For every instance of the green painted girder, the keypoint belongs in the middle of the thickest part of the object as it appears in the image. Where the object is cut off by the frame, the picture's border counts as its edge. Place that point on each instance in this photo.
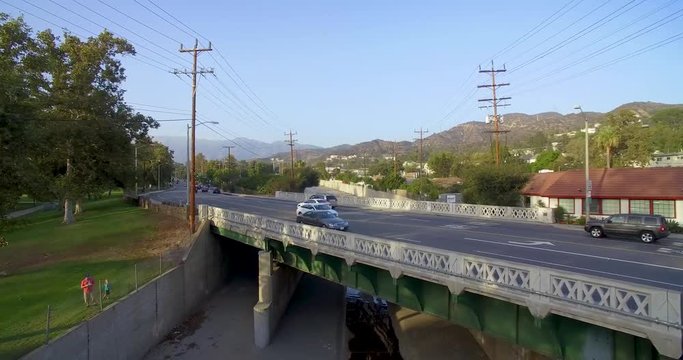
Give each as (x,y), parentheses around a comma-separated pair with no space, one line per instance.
(554,336)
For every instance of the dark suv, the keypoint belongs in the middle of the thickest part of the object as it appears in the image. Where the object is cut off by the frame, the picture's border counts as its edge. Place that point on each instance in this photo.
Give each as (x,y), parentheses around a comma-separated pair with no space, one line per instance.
(647,227)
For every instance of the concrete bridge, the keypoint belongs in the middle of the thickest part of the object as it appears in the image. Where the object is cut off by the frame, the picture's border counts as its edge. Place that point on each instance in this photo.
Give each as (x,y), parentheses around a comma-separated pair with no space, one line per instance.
(558,313)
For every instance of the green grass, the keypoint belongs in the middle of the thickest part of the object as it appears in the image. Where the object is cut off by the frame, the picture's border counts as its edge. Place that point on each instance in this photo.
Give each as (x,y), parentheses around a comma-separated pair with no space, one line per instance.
(45,261)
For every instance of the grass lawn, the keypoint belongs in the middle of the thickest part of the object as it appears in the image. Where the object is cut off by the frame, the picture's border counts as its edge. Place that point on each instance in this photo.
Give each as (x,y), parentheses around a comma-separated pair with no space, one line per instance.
(25,202)
(46,260)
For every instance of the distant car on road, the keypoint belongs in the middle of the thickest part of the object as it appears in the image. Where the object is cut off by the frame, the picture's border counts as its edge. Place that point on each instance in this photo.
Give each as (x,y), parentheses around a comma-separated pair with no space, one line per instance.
(205,188)
(648,228)
(323,219)
(303,208)
(326,197)
(216,190)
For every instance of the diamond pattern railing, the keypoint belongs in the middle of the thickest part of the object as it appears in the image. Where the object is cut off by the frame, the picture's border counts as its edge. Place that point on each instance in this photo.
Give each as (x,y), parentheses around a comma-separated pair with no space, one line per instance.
(632,306)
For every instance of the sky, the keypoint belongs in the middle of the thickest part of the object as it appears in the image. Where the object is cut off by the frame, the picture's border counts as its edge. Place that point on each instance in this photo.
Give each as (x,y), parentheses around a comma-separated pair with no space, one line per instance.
(343,72)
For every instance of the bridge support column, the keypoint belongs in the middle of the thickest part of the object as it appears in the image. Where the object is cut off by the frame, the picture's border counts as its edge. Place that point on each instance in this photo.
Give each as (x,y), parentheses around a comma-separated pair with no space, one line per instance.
(276,286)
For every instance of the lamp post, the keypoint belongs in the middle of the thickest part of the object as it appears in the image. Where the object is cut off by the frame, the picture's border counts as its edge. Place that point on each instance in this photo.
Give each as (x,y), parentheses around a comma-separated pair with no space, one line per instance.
(588,183)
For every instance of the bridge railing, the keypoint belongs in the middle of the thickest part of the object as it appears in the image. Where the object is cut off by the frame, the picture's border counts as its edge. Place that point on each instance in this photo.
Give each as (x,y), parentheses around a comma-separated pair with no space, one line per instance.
(650,312)
(543,215)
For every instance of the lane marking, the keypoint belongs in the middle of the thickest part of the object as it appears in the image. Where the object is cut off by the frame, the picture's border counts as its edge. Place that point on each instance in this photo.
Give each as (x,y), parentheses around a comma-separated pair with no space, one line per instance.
(677,244)
(670,251)
(406,239)
(532,243)
(458,226)
(580,254)
(581,268)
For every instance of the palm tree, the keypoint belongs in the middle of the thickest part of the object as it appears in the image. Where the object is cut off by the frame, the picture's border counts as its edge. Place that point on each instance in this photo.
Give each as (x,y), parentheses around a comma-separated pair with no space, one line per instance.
(608,139)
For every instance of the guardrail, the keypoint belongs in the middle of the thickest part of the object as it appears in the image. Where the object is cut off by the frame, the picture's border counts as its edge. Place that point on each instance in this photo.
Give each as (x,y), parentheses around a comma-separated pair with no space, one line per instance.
(644,311)
(542,215)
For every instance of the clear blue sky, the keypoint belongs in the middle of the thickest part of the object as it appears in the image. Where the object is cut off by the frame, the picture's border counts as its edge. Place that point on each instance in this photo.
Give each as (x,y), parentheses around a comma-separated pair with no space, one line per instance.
(351,71)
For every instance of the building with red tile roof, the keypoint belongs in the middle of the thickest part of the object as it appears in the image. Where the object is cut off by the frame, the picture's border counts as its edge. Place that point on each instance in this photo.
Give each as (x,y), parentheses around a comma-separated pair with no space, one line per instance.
(623,190)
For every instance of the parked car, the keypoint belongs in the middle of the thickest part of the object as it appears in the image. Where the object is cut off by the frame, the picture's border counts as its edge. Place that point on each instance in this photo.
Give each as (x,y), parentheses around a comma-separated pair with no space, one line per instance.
(327,197)
(647,227)
(303,208)
(324,219)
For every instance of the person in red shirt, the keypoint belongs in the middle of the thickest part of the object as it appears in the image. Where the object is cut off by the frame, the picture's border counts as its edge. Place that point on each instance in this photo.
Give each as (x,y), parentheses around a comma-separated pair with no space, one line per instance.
(86,285)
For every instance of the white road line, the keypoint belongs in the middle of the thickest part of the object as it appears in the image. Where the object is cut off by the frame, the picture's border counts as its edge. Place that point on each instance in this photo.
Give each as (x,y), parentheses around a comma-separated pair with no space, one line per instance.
(677,244)
(580,254)
(580,268)
(406,239)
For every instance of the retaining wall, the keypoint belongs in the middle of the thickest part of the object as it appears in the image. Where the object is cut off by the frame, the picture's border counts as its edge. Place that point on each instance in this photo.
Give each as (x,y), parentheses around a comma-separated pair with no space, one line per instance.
(128,328)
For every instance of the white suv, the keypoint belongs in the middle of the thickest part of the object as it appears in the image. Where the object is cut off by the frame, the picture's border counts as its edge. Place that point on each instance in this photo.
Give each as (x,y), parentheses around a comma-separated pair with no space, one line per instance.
(305,207)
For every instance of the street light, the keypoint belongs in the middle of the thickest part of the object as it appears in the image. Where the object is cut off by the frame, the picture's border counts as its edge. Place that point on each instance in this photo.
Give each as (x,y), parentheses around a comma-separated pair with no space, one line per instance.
(588,183)
(187,165)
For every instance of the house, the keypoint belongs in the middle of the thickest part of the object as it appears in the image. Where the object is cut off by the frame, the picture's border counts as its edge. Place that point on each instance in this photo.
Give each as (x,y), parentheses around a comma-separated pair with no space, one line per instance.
(624,190)
(660,159)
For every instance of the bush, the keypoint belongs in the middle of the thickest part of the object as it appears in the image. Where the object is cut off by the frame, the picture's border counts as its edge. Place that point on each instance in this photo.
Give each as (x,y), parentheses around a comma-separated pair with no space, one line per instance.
(674,226)
(559,214)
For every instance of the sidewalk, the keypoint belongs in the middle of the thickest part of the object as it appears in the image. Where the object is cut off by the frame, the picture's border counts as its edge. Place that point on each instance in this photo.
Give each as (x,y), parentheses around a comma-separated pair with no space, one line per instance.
(20,213)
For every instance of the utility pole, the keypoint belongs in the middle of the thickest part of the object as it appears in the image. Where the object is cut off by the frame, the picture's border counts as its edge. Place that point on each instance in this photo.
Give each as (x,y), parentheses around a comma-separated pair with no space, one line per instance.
(494,104)
(395,163)
(421,132)
(195,51)
(291,142)
(229,161)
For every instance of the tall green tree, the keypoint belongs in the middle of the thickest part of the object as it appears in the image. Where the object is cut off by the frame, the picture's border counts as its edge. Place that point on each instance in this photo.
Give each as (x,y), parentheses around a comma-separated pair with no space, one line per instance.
(441,163)
(495,185)
(608,138)
(667,130)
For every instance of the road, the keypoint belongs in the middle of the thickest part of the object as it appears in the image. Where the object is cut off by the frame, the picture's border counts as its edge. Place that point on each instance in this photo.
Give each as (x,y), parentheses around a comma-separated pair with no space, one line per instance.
(571,249)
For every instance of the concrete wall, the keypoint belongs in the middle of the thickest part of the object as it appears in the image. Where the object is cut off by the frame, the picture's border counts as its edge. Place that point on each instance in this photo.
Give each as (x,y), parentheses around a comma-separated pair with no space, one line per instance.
(277,284)
(128,328)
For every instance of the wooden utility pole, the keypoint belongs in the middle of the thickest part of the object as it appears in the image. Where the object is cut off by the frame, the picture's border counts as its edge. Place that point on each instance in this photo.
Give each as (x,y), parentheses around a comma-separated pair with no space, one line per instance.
(494,104)
(229,160)
(291,142)
(421,138)
(195,51)
(395,163)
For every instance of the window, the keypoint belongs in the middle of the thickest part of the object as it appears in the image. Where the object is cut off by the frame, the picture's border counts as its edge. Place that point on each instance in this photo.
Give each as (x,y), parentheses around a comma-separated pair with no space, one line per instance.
(610,206)
(636,220)
(567,204)
(595,206)
(639,207)
(664,208)
(649,220)
(618,219)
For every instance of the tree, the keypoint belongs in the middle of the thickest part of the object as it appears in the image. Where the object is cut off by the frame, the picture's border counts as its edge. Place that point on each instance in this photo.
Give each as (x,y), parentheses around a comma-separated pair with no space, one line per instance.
(545,160)
(441,163)
(423,188)
(607,138)
(635,146)
(494,185)
(667,130)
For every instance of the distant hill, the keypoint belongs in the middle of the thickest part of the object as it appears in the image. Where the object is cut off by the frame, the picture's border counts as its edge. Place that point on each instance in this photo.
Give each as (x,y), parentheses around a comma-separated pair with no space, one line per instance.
(470,135)
(475,134)
(244,149)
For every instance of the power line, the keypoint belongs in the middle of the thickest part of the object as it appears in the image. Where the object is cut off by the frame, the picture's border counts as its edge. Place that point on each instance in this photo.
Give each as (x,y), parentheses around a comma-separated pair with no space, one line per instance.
(123,27)
(586,30)
(138,21)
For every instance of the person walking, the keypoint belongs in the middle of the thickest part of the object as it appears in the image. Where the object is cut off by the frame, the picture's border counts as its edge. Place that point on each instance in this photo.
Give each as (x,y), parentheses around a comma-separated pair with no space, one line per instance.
(106,289)
(86,285)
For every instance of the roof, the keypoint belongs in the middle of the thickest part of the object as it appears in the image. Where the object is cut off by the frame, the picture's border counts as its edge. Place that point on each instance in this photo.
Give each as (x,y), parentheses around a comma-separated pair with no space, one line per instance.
(622,183)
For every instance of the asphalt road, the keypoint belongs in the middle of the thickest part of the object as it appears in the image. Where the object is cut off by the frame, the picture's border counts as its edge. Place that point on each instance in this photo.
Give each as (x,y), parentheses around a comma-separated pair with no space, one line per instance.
(565,248)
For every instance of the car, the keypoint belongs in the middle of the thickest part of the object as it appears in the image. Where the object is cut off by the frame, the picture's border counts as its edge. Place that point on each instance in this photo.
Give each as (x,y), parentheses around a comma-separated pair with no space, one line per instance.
(316,201)
(323,218)
(216,190)
(326,197)
(648,228)
(205,188)
(303,208)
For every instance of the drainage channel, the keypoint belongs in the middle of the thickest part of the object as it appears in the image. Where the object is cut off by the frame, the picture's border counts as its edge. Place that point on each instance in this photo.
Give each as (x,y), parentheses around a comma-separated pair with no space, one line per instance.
(371,332)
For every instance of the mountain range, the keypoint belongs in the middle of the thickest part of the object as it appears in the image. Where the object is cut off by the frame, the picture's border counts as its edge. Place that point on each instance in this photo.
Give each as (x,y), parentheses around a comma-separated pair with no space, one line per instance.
(516,128)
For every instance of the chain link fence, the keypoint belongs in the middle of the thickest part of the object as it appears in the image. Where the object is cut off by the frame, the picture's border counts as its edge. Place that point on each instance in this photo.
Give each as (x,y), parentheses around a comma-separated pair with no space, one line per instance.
(58,316)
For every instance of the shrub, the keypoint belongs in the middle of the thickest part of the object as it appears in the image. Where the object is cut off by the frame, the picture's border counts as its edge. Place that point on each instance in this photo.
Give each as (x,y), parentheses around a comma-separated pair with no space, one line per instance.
(674,226)
(559,214)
